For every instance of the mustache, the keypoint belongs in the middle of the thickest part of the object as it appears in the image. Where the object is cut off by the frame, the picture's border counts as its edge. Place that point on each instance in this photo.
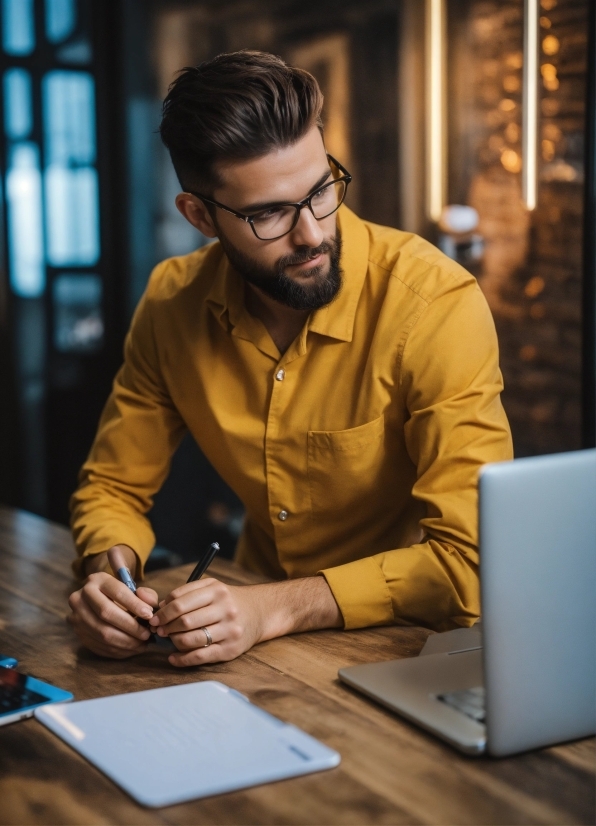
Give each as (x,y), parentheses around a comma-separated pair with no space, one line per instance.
(301,256)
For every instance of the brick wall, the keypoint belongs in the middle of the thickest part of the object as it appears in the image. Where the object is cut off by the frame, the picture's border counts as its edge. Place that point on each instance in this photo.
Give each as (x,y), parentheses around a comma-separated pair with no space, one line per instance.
(531,272)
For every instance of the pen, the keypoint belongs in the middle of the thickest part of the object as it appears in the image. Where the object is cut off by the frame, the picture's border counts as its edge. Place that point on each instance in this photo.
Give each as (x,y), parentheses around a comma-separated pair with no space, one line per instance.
(204,562)
(197,572)
(124,575)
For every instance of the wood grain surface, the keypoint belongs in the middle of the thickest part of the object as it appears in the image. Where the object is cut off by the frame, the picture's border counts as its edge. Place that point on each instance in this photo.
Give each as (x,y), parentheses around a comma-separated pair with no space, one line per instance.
(391,772)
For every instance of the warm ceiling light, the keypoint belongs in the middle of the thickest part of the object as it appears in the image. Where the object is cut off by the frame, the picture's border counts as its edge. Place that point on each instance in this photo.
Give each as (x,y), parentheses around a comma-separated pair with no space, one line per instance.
(530,103)
(550,45)
(511,160)
(435,107)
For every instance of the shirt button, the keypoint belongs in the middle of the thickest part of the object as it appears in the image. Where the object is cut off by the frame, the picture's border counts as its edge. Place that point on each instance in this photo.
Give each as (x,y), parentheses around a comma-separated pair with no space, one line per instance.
(282,516)
(280,375)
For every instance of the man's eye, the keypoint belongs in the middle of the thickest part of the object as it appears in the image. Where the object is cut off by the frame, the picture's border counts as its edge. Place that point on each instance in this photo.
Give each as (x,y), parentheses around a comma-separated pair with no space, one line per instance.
(267,214)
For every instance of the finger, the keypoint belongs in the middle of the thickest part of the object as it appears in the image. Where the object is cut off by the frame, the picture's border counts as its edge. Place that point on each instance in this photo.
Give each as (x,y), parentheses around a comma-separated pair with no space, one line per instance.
(148,595)
(197,585)
(94,627)
(209,615)
(201,656)
(97,646)
(88,629)
(189,600)
(197,638)
(91,626)
(111,614)
(118,592)
(107,612)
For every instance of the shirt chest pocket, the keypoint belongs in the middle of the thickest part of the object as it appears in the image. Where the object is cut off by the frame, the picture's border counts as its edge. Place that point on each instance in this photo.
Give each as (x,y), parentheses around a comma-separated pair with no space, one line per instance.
(346,467)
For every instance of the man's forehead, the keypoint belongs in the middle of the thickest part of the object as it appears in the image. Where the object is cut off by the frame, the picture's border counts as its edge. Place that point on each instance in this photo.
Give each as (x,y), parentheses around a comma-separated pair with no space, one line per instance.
(284,174)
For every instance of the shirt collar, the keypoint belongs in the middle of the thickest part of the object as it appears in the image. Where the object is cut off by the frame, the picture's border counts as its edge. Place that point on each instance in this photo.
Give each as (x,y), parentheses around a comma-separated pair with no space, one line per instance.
(226,294)
(336,320)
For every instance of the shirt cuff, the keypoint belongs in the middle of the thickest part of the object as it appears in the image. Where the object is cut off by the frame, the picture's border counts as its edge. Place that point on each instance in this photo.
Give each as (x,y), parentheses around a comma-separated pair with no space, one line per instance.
(361,592)
(139,539)
(78,563)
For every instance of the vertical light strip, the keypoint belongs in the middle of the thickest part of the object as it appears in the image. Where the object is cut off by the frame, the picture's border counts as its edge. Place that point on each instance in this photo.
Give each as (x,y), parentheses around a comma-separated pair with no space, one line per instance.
(530,105)
(435,108)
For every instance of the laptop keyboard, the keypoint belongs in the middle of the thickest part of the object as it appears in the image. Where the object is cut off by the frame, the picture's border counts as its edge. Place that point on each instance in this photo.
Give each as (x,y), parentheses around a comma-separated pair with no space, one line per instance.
(470,702)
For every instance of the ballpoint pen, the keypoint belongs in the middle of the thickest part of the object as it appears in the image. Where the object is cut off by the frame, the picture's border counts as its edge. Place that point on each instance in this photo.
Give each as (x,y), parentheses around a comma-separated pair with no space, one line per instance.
(124,574)
(204,562)
(118,565)
(197,572)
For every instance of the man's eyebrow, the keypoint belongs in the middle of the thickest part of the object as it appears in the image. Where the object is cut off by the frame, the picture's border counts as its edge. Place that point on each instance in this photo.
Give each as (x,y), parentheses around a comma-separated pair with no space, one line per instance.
(266,204)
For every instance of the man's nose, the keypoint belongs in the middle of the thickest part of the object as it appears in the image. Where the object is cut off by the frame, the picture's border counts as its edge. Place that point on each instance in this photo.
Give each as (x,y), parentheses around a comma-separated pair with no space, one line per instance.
(307,232)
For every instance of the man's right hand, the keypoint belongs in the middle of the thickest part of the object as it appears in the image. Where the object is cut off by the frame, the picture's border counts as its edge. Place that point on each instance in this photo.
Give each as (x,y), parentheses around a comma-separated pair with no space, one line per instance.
(104,611)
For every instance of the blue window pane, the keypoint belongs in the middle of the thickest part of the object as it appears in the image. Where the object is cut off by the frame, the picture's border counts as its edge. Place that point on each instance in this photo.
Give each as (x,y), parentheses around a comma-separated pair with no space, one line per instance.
(72,217)
(69,117)
(25,227)
(18,110)
(60,19)
(78,323)
(18,27)
(71,189)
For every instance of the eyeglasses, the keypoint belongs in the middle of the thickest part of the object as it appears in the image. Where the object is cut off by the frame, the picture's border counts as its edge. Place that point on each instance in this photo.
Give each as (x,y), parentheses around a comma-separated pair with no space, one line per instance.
(280,219)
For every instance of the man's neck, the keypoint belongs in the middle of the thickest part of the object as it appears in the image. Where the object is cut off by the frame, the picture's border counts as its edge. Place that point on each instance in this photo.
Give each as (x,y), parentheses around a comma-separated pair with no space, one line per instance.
(282,323)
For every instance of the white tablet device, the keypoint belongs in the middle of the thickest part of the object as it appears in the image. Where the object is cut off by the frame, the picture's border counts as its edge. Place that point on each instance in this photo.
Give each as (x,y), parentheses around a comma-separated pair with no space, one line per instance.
(167,745)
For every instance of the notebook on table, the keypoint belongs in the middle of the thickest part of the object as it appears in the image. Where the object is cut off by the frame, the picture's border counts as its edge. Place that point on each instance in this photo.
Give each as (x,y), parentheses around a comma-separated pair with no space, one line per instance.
(170,745)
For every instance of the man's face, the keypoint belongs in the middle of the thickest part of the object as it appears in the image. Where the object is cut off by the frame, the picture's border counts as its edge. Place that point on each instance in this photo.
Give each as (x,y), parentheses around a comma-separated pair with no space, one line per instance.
(300,269)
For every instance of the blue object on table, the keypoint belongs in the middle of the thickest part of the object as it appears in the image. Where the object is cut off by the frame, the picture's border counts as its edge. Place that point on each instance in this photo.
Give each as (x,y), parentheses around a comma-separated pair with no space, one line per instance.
(21,694)
(8,662)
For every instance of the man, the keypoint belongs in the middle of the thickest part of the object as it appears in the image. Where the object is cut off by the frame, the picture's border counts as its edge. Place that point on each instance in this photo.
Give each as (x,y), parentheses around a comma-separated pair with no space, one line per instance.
(342,378)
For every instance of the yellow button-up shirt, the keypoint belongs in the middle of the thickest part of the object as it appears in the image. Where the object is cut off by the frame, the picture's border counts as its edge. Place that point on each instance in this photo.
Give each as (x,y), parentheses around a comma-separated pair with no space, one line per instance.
(356,452)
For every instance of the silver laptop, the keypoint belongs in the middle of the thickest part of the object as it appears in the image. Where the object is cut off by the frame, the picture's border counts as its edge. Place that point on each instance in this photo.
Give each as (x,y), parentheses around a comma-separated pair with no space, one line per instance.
(528,678)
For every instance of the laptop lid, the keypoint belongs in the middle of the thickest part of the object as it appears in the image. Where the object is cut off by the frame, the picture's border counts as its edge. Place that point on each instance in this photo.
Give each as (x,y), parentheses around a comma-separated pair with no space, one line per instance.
(538,585)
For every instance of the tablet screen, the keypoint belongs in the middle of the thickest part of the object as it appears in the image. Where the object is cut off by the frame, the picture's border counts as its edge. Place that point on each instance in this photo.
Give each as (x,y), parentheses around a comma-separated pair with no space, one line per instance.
(20,694)
(15,693)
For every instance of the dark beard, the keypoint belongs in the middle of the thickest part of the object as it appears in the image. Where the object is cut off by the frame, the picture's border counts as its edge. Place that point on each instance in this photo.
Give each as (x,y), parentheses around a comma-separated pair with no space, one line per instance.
(321,288)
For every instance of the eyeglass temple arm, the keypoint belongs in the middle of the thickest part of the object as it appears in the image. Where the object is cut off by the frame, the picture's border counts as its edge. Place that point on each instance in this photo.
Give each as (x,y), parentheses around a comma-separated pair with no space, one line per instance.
(221,206)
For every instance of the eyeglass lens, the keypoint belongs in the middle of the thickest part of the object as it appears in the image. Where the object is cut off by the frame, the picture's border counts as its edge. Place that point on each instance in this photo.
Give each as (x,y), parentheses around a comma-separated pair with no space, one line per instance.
(277,221)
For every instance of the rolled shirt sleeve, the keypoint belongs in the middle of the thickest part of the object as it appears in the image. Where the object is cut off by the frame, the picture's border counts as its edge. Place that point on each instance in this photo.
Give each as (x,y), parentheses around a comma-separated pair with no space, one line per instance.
(450,383)
(138,432)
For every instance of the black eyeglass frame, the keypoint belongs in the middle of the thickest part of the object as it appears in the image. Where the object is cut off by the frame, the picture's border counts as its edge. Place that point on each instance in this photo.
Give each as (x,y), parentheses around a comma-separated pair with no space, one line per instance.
(249,219)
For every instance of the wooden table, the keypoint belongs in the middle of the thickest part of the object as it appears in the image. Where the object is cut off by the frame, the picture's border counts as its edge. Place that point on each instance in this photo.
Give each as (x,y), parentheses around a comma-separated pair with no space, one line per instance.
(391,772)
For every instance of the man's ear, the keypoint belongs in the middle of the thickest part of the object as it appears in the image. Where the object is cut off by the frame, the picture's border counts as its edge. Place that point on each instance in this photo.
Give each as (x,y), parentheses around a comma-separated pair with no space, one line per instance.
(196,213)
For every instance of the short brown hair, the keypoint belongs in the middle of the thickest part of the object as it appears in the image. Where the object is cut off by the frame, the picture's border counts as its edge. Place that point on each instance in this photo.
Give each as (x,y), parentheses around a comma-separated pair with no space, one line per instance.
(238,106)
